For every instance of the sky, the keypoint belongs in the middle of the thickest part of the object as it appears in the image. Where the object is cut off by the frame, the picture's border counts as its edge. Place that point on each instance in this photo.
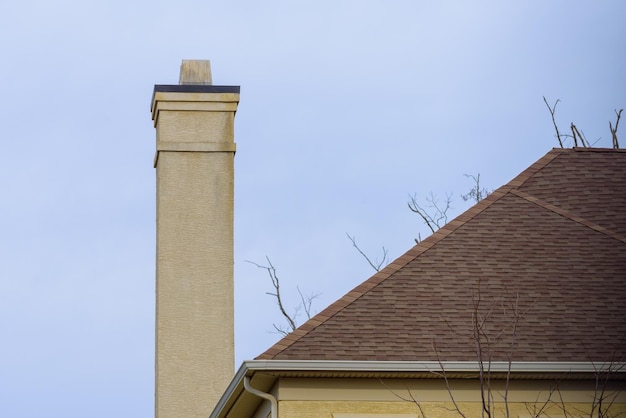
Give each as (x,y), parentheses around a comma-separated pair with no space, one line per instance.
(347,109)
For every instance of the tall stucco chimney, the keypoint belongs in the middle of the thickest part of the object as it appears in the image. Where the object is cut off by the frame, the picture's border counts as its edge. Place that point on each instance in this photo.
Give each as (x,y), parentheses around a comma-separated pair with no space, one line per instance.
(194,163)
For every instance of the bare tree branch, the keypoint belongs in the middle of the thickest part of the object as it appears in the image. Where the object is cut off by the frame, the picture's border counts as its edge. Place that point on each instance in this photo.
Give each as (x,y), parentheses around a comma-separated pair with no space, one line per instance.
(576,133)
(435,214)
(377,265)
(478,324)
(410,397)
(445,378)
(602,401)
(538,409)
(505,309)
(614,131)
(435,218)
(552,110)
(476,193)
(271,271)
(305,301)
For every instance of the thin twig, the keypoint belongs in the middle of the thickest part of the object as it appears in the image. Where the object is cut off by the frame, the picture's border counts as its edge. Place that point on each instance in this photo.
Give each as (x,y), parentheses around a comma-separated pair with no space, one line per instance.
(552,111)
(475,194)
(614,131)
(271,270)
(375,265)
(436,218)
(445,378)
(307,301)
(575,134)
(410,398)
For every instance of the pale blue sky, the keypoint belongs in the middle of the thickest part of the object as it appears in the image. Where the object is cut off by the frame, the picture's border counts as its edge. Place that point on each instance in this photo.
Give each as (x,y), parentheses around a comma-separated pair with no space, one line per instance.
(347,107)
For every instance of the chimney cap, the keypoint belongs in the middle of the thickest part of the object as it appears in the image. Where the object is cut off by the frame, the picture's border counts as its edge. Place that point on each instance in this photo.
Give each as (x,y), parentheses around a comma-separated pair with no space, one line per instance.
(195,72)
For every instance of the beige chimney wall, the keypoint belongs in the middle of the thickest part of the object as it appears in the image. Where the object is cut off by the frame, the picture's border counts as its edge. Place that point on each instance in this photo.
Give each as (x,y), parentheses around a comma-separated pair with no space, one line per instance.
(194,124)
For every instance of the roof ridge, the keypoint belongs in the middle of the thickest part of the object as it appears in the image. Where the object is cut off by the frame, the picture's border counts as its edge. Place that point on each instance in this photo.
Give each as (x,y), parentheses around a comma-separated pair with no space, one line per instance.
(595,149)
(569,215)
(519,180)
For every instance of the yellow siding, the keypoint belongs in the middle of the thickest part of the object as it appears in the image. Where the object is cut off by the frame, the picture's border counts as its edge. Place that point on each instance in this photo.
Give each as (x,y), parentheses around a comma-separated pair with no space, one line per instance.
(347,398)
(321,409)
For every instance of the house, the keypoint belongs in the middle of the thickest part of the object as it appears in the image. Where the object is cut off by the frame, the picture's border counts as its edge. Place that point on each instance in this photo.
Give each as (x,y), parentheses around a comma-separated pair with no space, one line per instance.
(515,308)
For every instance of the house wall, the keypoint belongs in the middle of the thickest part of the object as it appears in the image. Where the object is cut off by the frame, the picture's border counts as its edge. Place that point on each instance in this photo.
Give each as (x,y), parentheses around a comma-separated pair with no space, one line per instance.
(351,398)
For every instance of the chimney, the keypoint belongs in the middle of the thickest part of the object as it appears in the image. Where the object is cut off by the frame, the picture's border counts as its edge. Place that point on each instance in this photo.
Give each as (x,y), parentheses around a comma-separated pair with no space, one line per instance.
(195,150)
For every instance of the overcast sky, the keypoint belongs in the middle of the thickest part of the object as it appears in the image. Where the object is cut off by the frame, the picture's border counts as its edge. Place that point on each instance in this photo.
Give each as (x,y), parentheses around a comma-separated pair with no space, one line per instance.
(347,108)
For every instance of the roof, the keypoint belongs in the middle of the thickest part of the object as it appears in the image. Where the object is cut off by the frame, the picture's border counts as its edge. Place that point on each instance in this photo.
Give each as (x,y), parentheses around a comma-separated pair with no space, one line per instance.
(537,269)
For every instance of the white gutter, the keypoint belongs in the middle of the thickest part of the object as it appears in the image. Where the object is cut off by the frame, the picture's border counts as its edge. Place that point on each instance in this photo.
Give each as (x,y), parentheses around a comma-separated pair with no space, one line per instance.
(249,367)
(272,399)
(429,366)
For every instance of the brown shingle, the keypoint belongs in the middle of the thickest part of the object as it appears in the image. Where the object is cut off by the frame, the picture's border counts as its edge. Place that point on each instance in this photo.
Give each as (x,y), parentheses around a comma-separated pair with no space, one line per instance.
(548,248)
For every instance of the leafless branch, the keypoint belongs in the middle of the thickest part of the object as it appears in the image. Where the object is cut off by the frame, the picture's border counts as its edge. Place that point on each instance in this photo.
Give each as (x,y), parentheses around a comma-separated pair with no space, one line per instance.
(552,110)
(538,409)
(376,265)
(486,339)
(271,271)
(410,397)
(576,134)
(562,403)
(476,193)
(437,216)
(415,207)
(479,334)
(614,131)
(445,379)
(602,401)
(305,301)
(516,318)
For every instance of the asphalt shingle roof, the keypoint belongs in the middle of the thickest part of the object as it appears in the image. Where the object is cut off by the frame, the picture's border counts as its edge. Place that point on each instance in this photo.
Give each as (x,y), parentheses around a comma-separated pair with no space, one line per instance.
(540,264)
